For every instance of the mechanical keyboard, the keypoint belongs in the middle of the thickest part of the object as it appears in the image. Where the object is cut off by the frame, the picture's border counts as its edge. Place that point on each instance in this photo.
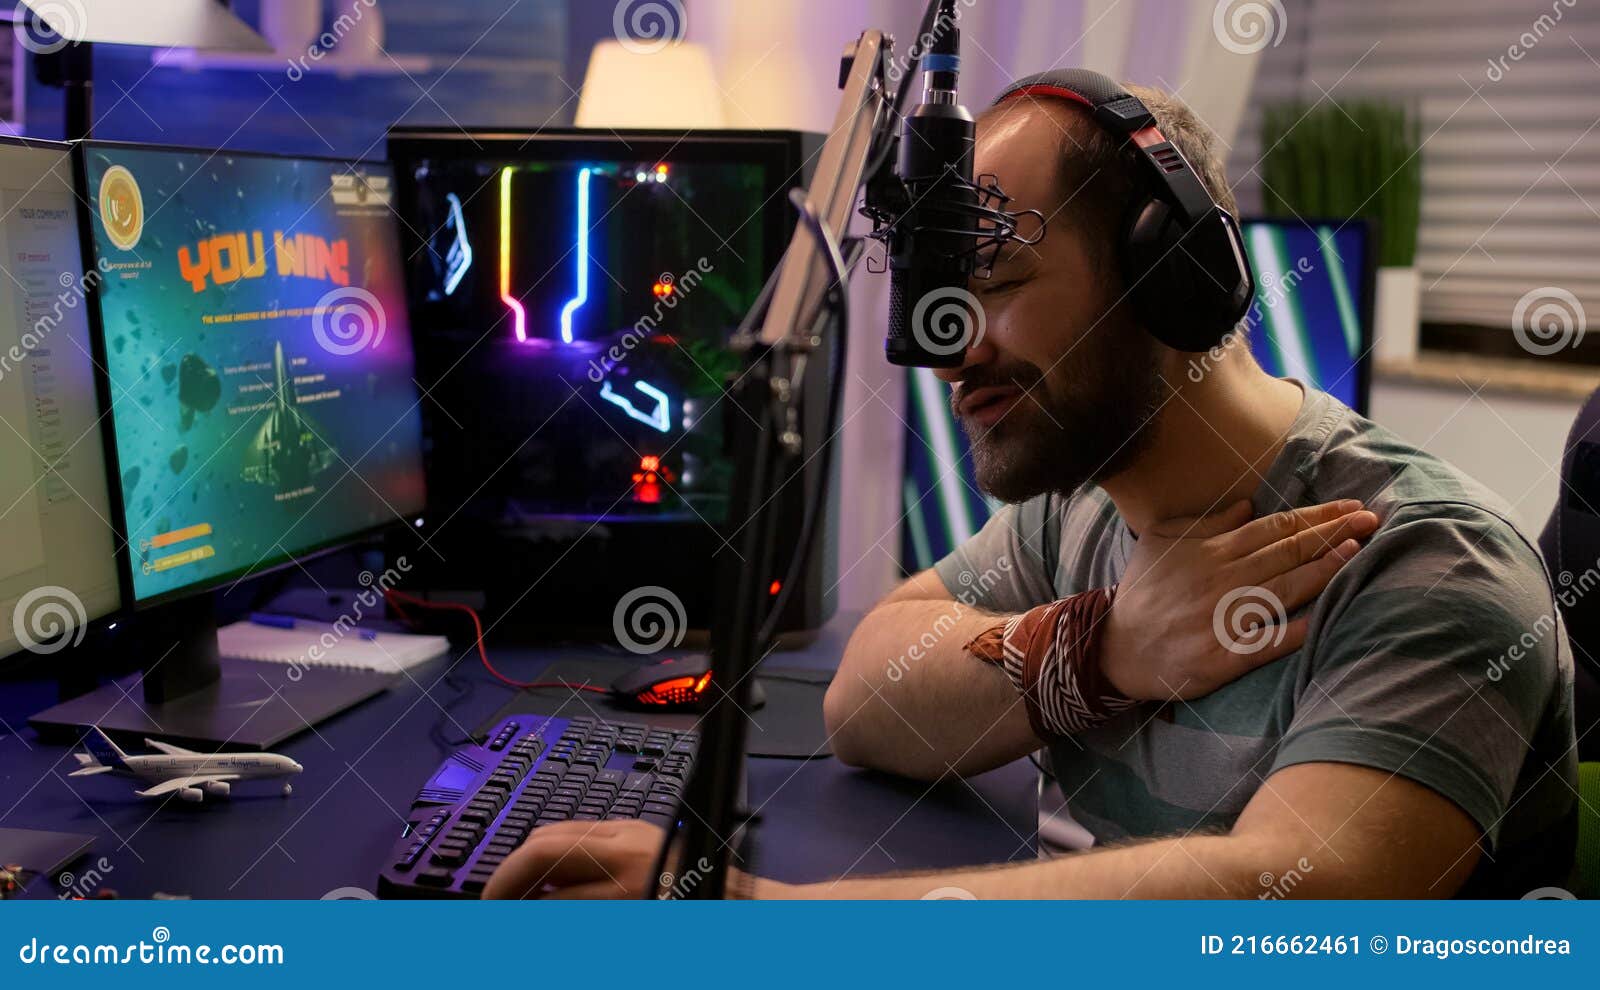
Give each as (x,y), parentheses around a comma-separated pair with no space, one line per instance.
(532,770)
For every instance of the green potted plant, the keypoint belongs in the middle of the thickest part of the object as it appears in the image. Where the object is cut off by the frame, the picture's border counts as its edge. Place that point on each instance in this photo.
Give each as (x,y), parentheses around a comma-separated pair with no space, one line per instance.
(1355,158)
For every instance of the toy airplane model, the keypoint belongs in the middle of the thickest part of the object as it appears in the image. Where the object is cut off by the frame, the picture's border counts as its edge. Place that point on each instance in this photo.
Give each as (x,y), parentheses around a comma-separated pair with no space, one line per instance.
(191,775)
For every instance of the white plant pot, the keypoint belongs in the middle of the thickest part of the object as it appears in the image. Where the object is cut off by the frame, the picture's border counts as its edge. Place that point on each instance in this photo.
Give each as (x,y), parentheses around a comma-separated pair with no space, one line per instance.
(291,25)
(1396,314)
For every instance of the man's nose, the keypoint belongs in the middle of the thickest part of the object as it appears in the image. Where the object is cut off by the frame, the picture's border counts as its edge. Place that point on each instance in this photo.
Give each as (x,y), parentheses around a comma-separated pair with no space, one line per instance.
(978,351)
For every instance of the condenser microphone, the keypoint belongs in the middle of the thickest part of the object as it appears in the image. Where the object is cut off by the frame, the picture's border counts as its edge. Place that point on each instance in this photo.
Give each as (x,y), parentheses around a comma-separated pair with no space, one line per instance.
(933,244)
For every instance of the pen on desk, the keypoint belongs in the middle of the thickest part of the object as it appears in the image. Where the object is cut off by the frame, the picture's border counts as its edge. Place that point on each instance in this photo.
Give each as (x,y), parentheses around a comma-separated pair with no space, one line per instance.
(290,622)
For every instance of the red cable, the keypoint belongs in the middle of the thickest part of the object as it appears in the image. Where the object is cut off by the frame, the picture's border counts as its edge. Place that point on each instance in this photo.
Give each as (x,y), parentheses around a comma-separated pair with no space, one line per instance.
(393,599)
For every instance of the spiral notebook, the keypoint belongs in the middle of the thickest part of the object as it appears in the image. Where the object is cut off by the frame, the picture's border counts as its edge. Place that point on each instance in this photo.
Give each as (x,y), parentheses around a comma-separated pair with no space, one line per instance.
(388,653)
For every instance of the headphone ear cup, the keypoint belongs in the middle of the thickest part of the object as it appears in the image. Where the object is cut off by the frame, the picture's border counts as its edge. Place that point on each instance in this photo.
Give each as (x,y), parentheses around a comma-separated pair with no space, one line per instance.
(1177,299)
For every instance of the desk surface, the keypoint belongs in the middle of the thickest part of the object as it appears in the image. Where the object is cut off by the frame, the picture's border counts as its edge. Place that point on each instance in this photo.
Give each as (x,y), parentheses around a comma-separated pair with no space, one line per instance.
(820,818)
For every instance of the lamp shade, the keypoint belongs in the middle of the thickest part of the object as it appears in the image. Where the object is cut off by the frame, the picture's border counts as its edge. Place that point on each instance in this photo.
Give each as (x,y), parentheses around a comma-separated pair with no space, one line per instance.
(674,86)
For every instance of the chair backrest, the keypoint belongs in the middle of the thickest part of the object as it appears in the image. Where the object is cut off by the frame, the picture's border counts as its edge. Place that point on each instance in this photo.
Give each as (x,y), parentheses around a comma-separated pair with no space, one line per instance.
(1571,545)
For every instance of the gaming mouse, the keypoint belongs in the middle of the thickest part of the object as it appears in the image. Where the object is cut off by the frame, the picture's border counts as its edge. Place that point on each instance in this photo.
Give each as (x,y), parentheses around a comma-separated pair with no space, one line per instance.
(679,683)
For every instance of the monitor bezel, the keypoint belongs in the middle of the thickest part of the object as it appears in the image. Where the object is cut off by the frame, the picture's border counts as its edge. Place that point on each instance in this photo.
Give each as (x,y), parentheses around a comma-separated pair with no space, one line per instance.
(131,601)
(1369,280)
(21,657)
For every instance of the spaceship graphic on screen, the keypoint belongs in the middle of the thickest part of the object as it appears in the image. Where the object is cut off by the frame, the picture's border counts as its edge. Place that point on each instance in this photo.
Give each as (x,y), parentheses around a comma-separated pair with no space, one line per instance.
(288,451)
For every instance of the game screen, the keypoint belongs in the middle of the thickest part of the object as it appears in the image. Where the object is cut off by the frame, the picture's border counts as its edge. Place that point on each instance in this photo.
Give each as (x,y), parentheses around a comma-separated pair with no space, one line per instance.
(259,354)
(1307,318)
(574,318)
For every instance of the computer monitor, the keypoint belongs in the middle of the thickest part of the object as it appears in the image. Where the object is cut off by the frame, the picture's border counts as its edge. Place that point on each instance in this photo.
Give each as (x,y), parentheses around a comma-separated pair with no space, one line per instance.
(574,293)
(259,357)
(259,374)
(58,571)
(1312,316)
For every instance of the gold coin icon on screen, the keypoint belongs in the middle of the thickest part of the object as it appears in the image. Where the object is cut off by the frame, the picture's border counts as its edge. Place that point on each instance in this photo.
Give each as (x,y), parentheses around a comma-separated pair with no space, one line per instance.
(121,207)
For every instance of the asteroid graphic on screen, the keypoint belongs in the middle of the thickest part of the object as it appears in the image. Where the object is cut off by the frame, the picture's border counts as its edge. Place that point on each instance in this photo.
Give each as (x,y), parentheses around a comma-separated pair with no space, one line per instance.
(199,388)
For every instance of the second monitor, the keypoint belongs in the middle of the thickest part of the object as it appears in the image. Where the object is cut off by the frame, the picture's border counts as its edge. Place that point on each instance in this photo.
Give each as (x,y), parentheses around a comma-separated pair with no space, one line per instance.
(57,542)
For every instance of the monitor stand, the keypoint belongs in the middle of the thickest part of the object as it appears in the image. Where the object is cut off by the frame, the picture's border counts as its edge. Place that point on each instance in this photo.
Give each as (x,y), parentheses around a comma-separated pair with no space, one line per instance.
(187,695)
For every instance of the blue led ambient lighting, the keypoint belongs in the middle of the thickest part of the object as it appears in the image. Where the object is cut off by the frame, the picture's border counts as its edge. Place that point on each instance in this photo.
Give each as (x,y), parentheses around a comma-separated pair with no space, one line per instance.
(459,257)
(658,419)
(583,257)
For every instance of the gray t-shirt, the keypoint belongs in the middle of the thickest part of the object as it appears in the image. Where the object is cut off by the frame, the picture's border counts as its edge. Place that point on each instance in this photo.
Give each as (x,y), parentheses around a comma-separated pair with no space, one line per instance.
(1437,654)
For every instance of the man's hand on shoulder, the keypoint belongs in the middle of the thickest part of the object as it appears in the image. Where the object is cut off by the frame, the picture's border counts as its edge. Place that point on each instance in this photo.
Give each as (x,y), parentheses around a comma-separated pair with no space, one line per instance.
(910,699)
(1201,601)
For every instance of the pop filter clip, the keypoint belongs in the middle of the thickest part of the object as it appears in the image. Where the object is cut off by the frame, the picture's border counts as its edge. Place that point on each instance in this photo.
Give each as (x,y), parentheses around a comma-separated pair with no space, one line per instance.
(889,199)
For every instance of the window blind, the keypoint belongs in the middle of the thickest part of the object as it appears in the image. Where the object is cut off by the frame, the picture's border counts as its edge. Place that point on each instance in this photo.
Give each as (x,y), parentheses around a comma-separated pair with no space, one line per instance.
(1508,93)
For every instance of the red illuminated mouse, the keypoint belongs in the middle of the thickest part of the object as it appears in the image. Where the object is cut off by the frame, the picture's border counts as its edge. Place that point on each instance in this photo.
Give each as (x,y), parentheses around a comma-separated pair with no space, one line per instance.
(680,683)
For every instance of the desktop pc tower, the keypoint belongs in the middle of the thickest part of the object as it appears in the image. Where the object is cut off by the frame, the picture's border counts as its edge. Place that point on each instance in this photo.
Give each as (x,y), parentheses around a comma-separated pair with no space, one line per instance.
(573,293)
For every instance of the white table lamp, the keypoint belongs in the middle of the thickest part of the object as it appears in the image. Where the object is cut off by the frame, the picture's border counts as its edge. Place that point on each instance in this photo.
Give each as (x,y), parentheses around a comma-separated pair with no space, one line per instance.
(674,86)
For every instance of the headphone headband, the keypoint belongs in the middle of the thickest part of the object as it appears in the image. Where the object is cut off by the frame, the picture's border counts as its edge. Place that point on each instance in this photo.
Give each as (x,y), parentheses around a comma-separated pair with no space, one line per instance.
(1182,256)
(1124,116)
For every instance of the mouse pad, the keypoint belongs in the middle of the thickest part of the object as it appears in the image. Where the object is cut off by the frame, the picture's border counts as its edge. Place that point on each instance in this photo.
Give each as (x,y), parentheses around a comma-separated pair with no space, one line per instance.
(788,726)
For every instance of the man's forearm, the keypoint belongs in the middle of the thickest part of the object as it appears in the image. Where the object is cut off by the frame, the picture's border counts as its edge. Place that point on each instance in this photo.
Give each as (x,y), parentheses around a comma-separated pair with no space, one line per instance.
(1319,830)
(908,699)
(1146,870)
(1195,866)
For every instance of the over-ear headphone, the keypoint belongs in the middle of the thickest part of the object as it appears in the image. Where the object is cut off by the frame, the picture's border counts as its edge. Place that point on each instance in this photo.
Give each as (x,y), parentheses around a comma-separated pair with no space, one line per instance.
(1181,256)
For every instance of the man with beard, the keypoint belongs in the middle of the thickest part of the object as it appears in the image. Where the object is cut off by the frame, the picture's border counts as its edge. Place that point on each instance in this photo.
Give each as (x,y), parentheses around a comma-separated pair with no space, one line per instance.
(1354,723)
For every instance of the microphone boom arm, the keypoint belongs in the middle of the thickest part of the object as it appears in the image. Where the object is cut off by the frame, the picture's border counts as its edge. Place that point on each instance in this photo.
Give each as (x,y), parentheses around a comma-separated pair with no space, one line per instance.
(766,443)
(865,116)
(805,298)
